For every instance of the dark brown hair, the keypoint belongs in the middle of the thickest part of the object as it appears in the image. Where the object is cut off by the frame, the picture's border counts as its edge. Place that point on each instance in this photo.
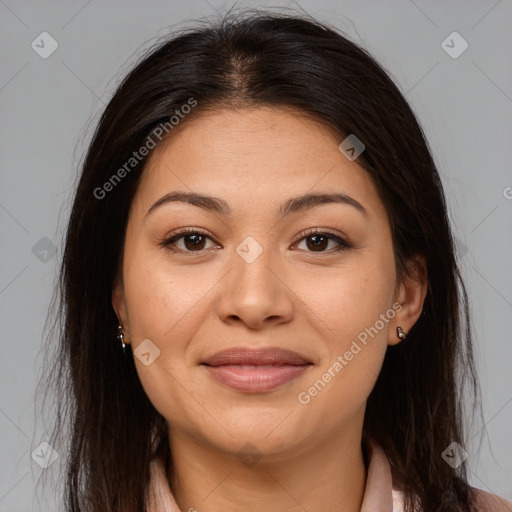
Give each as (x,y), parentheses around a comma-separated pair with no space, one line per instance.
(250,60)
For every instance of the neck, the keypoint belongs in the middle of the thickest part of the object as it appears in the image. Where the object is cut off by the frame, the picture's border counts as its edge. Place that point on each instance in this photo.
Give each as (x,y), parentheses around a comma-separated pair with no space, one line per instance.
(326,475)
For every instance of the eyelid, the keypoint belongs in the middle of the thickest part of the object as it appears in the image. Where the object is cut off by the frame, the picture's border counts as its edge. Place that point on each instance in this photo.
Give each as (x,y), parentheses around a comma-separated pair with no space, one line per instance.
(167,241)
(335,235)
(340,239)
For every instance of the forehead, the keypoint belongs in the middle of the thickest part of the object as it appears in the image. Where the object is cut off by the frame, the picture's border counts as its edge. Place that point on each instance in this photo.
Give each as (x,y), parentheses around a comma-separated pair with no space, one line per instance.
(255,158)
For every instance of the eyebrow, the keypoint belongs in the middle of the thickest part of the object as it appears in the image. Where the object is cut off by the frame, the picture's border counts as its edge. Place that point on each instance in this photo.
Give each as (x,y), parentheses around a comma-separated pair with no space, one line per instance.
(292,205)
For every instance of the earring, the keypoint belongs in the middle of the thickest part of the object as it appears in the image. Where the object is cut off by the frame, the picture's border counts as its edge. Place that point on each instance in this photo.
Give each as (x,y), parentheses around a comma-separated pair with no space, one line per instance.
(120,337)
(401,333)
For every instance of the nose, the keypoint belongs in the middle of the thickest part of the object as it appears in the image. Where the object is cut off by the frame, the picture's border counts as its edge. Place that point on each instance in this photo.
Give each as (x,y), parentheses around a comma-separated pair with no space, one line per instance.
(256,293)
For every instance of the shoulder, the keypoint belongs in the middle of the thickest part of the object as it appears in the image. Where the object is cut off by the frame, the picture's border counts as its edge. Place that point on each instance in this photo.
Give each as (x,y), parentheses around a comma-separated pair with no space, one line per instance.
(484,501)
(487,502)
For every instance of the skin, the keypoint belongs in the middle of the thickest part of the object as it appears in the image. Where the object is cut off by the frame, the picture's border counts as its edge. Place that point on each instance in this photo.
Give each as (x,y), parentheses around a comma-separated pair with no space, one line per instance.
(294,295)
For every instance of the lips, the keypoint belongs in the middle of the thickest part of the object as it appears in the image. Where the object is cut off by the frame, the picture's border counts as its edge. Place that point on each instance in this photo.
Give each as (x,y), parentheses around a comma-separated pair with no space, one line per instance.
(256,370)
(257,357)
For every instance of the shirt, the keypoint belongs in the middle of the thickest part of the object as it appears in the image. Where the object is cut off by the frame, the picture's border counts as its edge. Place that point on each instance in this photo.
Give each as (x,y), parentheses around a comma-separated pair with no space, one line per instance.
(379,495)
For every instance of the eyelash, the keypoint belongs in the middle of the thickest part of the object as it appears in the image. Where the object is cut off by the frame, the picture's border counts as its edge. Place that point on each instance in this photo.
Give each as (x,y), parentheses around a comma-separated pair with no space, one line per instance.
(343,244)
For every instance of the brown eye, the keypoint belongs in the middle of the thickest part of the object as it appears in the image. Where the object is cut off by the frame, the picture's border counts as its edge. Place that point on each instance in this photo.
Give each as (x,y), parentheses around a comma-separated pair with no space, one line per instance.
(192,241)
(195,241)
(319,241)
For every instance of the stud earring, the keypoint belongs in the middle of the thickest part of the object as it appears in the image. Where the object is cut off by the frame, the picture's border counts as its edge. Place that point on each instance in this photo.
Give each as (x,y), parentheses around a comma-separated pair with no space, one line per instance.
(401,333)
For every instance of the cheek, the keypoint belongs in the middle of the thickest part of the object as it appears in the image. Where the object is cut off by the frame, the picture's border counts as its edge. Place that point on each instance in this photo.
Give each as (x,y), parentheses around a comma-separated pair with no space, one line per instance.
(337,392)
(167,306)
(164,301)
(347,300)
(352,313)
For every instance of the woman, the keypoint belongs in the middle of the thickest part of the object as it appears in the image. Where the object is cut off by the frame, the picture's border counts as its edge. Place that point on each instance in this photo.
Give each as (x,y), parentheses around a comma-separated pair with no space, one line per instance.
(262,308)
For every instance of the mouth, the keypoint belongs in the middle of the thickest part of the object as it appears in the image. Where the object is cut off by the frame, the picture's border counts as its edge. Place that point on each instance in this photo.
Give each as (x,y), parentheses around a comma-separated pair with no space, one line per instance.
(255,371)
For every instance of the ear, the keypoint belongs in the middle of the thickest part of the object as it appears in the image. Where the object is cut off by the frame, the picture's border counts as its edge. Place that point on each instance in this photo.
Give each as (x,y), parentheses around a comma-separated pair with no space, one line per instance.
(119,305)
(410,294)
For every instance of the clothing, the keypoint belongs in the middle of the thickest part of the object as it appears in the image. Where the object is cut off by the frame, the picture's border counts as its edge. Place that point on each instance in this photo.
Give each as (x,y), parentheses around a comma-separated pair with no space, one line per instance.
(379,496)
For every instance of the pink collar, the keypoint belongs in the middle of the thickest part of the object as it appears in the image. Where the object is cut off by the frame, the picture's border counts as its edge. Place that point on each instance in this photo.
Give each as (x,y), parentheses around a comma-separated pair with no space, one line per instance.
(379,495)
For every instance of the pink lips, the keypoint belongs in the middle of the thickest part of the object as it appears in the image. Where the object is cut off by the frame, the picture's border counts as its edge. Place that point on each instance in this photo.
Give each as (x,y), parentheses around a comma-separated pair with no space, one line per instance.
(256,370)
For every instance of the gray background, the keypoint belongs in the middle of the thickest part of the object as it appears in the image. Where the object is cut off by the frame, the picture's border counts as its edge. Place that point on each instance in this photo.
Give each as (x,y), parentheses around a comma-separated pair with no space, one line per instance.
(49,107)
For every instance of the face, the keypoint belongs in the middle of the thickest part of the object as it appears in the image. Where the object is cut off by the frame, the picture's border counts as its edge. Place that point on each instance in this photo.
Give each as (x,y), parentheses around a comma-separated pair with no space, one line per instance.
(259,268)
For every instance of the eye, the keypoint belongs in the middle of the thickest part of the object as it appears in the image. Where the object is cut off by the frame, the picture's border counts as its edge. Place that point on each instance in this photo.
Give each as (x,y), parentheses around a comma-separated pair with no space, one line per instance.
(193,241)
(318,241)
